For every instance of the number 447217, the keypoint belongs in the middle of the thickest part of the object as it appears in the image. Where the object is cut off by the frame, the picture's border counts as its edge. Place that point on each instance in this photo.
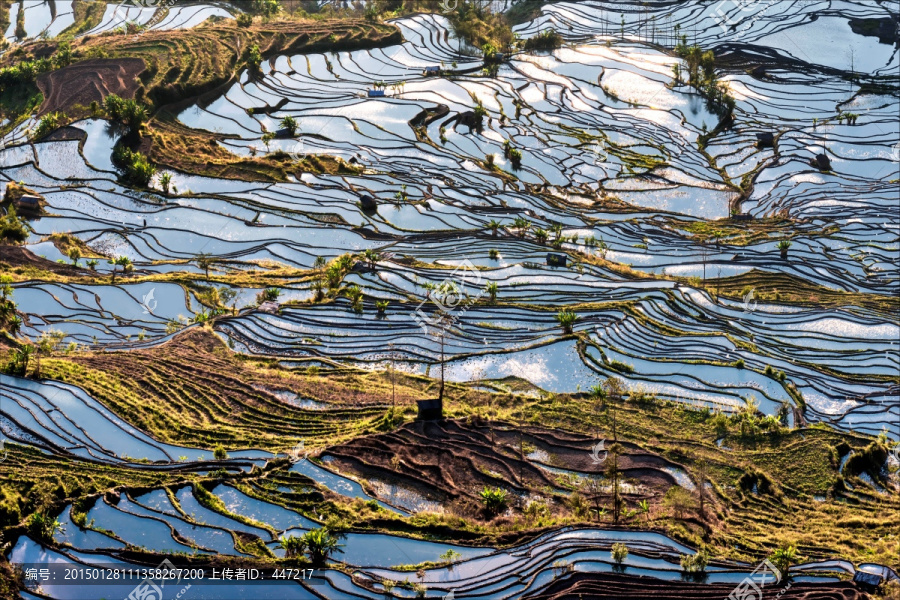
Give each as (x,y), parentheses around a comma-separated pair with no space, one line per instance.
(294,574)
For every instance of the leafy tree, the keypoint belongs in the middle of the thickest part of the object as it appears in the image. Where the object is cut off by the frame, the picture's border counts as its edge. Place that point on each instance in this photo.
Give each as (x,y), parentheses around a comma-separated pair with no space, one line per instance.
(613,473)
(619,552)
(289,123)
(92,264)
(566,319)
(205,261)
(74,254)
(254,59)
(219,452)
(266,8)
(12,228)
(783,557)
(6,288)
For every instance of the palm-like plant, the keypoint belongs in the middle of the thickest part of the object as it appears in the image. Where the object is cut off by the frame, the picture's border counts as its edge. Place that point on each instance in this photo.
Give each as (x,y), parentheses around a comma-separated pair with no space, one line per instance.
(42,527)
(22,356)
(783,557)
(293,546)
(566,318)
(645,508)
(494,226)
(320,545)
(541,235)
(289,123)
(381,306)
(371,257)
(120,261)
(492,288)
(494,500)
(521,224)
(783,246)
(165,180)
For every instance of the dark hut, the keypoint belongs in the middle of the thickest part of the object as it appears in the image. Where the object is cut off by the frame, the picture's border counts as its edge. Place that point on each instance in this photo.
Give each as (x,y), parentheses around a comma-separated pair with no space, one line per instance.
(367,202)
(765,140)
(821,162)
(557,260)
(430,410)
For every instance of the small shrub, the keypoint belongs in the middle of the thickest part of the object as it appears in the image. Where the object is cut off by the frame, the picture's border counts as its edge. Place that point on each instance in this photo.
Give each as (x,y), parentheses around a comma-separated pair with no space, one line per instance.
(619,552)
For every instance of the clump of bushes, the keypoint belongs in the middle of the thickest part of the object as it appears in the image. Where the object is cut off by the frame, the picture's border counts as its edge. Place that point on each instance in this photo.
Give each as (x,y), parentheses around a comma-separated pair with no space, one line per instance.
(549,39)
(130,113)
(47,124)
(137,170)
(12,228)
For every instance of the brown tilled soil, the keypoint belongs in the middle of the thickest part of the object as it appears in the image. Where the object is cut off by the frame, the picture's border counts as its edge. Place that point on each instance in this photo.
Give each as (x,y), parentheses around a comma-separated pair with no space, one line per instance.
(87,81)
(194,389)
(12,257)
(452,461)
(605,586)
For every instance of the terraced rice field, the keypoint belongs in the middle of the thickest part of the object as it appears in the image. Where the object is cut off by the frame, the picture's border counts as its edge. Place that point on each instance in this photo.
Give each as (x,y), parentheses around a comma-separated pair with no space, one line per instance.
(654,317)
